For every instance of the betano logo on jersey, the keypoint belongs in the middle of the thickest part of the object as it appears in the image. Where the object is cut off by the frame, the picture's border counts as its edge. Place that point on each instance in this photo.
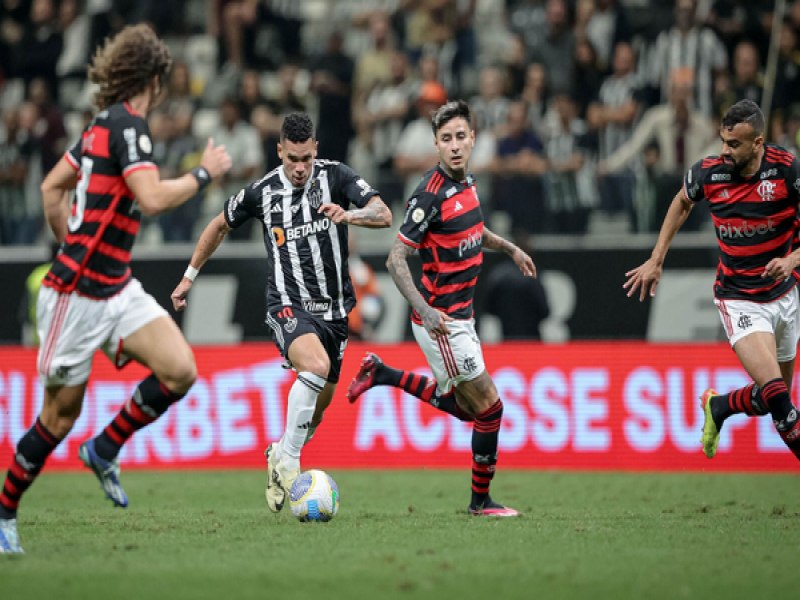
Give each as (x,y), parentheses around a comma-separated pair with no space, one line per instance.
(745,229)
(282,235)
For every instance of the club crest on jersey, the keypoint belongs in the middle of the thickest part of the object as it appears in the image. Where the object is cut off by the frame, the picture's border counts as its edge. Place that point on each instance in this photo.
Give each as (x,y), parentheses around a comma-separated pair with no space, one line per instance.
(315,195)
(766,189)
(290,325)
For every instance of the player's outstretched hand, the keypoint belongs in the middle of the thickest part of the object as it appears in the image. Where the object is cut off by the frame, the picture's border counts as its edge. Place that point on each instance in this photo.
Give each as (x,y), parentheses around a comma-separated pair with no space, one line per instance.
(215,159)
(178,296)
(643,278)
(524,262)
(335,213)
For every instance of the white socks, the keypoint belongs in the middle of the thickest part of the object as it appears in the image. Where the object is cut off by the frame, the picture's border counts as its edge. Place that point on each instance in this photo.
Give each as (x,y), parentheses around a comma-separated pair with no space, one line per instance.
(299,412)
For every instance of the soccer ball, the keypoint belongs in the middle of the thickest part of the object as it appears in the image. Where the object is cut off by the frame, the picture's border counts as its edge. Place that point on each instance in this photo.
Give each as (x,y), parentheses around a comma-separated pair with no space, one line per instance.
(314,496)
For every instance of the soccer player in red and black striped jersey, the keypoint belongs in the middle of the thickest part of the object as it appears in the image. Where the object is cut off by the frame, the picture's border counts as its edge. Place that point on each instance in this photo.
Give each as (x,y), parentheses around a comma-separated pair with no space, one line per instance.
(753,190)
(89,299)
(444,223)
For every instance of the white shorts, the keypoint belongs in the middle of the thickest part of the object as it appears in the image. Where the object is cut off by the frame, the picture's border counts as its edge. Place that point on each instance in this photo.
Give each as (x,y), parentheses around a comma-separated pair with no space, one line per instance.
(740,318)
(455,358)
(72,327)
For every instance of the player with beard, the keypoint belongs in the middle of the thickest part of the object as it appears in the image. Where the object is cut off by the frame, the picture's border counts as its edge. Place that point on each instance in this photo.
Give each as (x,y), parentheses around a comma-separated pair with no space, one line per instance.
(753,191)
(444,222)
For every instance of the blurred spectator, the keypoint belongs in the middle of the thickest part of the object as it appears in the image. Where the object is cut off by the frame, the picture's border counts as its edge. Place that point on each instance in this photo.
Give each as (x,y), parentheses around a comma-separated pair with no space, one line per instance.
(515,62)
(20,175)
(415,152)
(687,46)
(180,95)
(535,95)
(466,55)
(431,29)
(373,66)
(75,28)
(613,116)
(517,173)
(381,117)
(556,49)
(243,144)
(13,16)
(565,149)
(682,135)
(787,84)
(527,18)
(519,302)
(41,44)
(729,19)
(588,73)
(49,129)
(332,80)
(607,26)
(287,98)
(239,25)
(176,151)
(490,107)
(747,80)
(365,317)
(250,95)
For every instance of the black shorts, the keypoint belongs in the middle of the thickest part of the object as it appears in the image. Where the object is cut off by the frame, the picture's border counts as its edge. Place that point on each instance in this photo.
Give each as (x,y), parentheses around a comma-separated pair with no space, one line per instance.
(289,323)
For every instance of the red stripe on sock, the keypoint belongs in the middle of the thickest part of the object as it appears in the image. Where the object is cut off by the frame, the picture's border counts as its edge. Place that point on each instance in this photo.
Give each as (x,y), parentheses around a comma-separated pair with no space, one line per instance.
(427,392)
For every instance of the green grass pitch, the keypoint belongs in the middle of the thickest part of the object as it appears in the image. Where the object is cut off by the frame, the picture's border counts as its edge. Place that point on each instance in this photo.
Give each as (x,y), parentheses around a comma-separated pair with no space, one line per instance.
(405,534)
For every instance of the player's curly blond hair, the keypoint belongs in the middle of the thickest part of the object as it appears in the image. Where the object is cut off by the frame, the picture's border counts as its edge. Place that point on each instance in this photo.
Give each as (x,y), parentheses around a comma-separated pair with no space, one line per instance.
(125,65)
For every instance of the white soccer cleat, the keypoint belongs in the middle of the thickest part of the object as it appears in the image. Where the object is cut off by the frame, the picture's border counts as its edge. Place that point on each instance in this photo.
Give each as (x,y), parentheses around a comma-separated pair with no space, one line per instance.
(274,493)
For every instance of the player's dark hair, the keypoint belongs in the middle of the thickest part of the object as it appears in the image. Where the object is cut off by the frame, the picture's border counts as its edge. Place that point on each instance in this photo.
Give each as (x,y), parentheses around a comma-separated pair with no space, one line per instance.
(297,127)
(125,64)
(745,111)
(449,111)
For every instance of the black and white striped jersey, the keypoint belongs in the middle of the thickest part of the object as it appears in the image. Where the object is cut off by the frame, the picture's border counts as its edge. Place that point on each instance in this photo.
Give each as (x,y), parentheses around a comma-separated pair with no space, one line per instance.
(306,253)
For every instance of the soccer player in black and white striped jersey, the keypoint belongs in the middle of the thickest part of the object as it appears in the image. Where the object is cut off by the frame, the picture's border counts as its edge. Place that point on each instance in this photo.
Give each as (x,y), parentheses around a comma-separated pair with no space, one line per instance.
(304,206)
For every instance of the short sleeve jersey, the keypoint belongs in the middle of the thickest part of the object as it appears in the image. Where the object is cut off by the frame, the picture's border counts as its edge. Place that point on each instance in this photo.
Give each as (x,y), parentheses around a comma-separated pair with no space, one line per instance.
(755,220)
(104,217)
(306,253)
(444,222)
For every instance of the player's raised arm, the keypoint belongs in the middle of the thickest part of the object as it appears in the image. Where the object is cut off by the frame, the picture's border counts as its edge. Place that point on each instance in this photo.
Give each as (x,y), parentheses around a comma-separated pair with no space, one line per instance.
(646,276)
(155,195)
(209,241)
(492,241)
(375,215)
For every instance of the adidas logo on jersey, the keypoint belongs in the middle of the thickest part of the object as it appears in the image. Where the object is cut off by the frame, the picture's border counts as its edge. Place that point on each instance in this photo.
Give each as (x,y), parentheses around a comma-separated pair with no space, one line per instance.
(458,206)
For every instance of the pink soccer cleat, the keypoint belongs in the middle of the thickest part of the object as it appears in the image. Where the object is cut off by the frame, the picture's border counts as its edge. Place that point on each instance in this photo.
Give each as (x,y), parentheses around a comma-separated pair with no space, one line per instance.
(365,378)
(490,508)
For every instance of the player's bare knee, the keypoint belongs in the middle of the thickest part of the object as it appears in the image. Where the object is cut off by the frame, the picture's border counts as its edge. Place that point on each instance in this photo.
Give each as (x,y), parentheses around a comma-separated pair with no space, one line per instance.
(180,377)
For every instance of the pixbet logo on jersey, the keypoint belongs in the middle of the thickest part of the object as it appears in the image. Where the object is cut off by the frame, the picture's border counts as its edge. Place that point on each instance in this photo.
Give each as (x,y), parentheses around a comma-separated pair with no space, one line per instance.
(469,243)
(745,230)
(294,233)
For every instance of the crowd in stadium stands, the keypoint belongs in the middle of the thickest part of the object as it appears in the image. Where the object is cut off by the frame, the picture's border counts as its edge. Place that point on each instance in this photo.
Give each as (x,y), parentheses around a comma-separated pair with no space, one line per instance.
(588,111)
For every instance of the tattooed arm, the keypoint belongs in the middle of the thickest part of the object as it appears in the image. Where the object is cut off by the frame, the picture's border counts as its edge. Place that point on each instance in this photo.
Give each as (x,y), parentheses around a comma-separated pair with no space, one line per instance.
(374,215)
(492,241)
(434,321)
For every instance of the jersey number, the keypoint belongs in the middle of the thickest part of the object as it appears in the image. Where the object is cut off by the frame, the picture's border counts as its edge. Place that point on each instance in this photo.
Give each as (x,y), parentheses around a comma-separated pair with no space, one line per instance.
(79,199)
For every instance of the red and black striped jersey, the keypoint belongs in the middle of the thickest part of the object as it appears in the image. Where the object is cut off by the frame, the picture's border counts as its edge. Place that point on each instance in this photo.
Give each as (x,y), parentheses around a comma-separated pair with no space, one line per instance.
(755,220)
(104,217)
(444,221)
